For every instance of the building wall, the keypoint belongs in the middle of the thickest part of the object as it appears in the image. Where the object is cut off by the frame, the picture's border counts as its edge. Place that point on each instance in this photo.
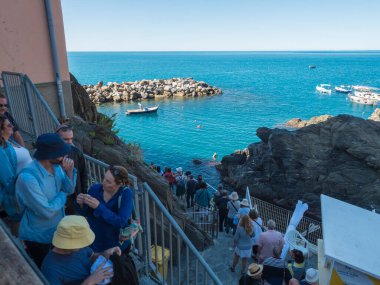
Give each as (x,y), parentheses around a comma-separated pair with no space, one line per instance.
(25,46)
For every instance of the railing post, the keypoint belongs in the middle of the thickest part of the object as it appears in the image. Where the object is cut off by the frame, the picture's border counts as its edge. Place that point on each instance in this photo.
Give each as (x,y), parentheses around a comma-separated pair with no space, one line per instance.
(148,231)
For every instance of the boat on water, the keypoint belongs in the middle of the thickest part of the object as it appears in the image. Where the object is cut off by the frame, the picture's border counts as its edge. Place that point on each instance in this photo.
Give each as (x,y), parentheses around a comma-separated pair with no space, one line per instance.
(368,95)
(343,89)
(324,88)
(142,110)
(361,100)
(362,88)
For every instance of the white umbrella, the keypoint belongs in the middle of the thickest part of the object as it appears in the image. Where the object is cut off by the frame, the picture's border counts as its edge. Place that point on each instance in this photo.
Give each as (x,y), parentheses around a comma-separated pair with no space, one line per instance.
(300,209)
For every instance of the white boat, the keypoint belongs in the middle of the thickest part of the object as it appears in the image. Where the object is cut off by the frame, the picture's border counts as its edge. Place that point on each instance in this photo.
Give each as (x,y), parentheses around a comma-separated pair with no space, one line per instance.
(324,88)
(142,110)
(360,100)
(368,95)
(343,89)
(364,88)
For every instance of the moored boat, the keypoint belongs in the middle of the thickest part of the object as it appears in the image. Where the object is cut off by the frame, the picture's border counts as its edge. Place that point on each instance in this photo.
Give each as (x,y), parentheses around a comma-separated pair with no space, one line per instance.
(324,88)
(361,100)
(343,89)
(368,95)
(364,88)
(142,110)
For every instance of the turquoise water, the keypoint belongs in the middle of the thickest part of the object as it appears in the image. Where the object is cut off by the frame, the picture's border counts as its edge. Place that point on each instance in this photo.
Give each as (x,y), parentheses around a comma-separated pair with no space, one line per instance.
(260,89)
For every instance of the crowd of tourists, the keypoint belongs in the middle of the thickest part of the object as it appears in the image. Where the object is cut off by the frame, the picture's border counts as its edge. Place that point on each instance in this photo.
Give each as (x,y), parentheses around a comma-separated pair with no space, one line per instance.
(183,184)
(262,244)
(71,230)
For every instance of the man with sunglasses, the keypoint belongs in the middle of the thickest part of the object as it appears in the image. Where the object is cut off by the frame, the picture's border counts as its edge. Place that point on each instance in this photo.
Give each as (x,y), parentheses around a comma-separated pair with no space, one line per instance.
(3,112)
(66,133)
(41,190)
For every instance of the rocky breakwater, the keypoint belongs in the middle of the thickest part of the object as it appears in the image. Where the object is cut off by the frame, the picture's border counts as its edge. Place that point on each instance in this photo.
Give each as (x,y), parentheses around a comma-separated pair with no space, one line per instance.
(149,89)
(339,157)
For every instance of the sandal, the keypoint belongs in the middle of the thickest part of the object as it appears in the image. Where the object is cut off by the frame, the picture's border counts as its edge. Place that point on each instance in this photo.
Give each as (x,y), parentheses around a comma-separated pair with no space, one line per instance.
(232,269)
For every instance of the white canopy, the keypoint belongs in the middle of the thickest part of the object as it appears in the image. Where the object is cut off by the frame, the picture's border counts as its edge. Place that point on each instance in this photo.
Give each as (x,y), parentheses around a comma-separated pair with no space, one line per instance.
(351,235)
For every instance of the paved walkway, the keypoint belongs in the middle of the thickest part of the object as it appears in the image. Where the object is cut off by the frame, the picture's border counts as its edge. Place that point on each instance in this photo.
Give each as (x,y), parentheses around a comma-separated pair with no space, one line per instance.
(219,257)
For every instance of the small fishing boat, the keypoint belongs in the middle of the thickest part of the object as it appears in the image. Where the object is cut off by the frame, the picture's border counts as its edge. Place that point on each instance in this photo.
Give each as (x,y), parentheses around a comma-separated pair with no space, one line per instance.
(142,110)
(324,88)
(363,101)
(343,89)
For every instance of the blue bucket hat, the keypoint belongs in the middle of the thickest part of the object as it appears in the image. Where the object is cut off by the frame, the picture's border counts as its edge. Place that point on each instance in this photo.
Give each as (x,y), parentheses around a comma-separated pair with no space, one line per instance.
(50,146)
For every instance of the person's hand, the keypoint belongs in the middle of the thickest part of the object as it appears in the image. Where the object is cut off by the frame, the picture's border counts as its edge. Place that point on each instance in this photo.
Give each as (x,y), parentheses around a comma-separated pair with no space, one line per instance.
(80,199)
(108,252)
(68,165)
(99,275)
(91,201)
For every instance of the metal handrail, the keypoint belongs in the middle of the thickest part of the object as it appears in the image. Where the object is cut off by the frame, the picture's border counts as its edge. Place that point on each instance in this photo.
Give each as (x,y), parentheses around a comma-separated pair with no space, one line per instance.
(182,236)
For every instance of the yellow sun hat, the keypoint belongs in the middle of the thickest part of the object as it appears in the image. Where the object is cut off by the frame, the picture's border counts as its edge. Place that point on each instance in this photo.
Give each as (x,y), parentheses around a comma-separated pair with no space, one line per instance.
(73,232)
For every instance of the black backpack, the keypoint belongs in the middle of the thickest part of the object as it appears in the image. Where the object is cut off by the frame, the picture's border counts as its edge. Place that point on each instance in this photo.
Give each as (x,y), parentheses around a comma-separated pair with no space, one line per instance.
(124,270)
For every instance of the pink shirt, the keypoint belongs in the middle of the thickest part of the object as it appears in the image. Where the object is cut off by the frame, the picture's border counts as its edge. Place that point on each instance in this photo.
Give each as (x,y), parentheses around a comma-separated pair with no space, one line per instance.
(267,241)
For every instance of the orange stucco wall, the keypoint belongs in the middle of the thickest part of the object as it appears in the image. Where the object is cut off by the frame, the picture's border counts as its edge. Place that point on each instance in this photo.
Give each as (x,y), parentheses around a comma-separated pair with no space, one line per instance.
(25,42)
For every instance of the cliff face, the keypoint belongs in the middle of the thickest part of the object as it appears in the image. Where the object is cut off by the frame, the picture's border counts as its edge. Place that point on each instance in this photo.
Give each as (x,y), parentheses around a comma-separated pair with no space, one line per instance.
(339,157)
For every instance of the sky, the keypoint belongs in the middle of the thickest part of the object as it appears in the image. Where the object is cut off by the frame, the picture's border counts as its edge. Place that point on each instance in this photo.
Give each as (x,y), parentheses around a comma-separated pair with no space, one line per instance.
(221,25)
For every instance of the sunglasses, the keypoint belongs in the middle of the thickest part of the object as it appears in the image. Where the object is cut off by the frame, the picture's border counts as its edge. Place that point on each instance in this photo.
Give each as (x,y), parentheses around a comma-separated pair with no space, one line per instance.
(64,128)
(115,171)
(3,105)
(9,125)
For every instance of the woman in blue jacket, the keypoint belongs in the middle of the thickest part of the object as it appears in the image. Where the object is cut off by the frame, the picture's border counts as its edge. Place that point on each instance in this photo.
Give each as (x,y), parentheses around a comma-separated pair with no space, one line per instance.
(13,158)
(101,207)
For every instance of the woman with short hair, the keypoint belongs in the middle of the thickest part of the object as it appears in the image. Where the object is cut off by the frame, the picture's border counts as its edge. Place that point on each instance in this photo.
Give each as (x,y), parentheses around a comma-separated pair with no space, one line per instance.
(108,207)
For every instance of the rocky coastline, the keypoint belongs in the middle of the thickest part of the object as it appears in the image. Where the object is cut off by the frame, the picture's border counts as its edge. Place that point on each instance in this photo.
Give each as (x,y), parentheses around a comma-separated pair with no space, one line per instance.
(338,156)
(149,90)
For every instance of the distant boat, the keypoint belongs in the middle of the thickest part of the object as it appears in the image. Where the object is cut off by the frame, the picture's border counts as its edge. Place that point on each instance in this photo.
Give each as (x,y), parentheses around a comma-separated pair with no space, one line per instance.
(367,95)
(361,100)
(364,88)
(312,66)
(343,89)
(324,88)
(142,110)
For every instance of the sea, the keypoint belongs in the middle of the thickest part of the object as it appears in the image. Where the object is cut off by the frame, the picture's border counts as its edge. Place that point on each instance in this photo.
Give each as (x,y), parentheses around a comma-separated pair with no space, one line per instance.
(259,89)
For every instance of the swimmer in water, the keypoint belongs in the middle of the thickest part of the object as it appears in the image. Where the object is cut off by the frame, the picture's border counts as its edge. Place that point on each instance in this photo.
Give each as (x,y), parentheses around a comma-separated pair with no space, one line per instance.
(199,126)
(214,156)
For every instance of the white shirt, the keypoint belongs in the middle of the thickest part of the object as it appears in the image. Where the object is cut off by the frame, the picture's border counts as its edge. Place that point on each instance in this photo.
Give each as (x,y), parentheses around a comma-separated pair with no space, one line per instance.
(257,230)
(23,157)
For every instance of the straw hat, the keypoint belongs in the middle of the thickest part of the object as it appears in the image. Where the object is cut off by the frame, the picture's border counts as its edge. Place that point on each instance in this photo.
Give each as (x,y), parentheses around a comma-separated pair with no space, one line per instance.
(254,270)
(234,196)
(244,202)
(73,232)
(311,275)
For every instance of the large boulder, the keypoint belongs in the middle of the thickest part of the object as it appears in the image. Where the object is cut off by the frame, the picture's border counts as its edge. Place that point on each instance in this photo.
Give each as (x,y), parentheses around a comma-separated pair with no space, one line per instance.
(339,157)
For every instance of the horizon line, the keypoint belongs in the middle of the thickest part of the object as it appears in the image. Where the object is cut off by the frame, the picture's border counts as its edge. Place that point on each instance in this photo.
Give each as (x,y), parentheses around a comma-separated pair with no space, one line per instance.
(324,50)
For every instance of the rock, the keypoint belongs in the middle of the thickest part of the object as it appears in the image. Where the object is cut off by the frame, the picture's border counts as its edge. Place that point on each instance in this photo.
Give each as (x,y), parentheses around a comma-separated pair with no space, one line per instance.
(83,106)
(149,89)
(339,157)
(375,115)
(298,123)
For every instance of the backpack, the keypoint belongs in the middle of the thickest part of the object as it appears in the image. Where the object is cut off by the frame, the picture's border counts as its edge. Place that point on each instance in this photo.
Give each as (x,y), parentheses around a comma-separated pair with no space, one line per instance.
(124,270)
